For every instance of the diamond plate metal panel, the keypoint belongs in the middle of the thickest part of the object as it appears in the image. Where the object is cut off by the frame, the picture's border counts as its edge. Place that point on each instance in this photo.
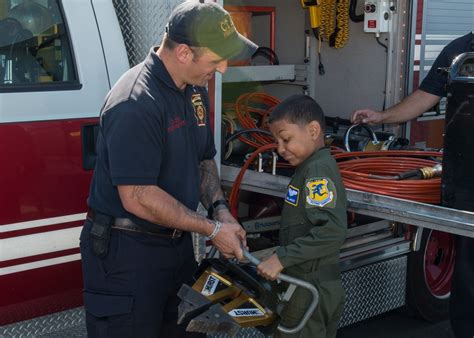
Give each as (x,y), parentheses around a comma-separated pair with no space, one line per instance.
(70,323)
(374,289)
(142,23)
(244,333)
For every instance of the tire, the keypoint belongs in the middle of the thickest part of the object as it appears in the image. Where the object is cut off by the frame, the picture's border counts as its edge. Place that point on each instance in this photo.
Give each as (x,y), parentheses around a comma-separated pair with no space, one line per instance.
(429,275)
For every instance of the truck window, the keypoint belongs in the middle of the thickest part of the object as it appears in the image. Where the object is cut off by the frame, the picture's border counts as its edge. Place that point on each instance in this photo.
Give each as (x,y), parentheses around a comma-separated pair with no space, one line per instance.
(35,53)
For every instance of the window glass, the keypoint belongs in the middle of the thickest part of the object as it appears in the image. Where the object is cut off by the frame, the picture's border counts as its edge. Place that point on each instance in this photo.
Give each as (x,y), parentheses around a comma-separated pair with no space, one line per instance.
(34,46)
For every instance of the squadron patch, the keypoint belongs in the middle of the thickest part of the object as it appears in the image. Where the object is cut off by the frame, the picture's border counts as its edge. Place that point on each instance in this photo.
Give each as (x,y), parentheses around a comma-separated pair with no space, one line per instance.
(319,192)
(292,195)
(199,110)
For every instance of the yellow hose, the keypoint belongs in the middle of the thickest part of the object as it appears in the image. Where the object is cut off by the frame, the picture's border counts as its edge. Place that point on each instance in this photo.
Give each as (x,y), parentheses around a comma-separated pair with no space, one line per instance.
(335,22)
(342,22)
(328,20)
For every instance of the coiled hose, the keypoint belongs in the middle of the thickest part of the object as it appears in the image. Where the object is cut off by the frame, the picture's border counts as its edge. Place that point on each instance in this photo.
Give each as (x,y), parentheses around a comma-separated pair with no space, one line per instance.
(335,22)
(373,172)
(252,110)
(376,172)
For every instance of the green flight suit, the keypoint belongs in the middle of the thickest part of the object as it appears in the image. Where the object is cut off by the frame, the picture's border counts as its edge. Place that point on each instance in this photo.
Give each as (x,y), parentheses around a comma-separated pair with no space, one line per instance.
(313,228)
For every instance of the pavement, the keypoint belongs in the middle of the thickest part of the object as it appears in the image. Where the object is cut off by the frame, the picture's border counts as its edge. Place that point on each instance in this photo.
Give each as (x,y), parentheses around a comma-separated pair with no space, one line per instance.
(397,324)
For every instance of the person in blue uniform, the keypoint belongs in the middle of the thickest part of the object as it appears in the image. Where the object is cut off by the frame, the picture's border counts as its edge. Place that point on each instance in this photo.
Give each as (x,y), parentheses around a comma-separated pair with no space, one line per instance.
(313,219)
(431,90)
(428,94)
(155,163)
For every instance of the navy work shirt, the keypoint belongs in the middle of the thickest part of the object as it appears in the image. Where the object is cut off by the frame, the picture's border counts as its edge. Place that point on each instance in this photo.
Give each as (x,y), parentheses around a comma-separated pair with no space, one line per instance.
(435,82)
(151,133)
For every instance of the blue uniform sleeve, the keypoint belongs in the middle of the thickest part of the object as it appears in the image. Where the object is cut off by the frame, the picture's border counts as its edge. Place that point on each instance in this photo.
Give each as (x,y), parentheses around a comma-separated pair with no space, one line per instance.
(134,138)
(435,82)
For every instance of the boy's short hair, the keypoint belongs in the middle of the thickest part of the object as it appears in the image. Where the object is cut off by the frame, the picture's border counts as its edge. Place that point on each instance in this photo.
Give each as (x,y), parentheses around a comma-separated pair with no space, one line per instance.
(298,109)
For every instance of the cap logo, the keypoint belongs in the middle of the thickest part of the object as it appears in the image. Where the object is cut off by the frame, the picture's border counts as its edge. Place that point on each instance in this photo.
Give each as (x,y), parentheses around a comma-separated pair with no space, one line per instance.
(227,26)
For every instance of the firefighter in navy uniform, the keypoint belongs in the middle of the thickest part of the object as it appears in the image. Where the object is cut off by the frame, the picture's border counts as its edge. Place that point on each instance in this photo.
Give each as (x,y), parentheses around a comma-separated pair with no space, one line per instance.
(155,163)
(313,220)
(457,191)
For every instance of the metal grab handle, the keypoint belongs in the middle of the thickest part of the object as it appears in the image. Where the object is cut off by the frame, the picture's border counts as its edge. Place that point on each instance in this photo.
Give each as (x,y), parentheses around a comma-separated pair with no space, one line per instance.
(298,282)
(366,127)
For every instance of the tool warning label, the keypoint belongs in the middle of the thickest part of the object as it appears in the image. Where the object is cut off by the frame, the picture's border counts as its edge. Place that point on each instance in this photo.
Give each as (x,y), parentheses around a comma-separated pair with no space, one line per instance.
(246,312)
(210,286)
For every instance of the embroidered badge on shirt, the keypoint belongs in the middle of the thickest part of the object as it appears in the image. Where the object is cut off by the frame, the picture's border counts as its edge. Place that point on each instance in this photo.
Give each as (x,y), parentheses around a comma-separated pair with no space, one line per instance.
(199,110)
(319,192)
(292,195)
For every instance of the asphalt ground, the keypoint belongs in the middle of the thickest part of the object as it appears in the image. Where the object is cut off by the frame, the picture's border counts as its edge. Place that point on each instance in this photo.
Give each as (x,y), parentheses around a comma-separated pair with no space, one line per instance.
(397,324)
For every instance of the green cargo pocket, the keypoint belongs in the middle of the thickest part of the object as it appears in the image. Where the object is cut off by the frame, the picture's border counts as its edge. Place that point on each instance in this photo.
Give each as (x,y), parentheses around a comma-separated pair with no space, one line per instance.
(105,305)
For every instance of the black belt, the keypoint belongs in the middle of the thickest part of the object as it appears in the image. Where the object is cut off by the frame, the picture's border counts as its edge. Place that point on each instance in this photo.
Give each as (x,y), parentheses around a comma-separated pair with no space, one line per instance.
(128,225)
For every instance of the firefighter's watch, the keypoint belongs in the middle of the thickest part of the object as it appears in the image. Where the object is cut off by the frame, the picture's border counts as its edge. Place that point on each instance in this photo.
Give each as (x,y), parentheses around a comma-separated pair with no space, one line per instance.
(213,207)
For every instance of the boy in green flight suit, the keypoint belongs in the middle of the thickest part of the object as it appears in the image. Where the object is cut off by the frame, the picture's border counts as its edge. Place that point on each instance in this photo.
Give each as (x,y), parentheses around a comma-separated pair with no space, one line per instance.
(313,219)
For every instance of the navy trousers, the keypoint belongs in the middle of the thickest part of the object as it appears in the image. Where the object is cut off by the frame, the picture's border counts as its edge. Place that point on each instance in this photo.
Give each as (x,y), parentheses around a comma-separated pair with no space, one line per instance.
(131,292)
(461,305)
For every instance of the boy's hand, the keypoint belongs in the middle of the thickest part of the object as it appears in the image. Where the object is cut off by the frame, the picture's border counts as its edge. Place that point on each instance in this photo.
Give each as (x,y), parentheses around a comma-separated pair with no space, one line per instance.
(270,268)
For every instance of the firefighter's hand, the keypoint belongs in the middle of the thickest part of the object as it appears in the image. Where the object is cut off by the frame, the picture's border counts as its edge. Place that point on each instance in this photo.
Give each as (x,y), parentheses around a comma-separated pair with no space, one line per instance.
(225,216)
(270,268)
(230,239)
(367,116)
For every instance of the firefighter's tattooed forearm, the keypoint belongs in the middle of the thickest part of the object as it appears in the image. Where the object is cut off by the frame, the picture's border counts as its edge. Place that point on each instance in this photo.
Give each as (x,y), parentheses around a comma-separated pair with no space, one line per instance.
(197,218)
(139,191)
(210,183)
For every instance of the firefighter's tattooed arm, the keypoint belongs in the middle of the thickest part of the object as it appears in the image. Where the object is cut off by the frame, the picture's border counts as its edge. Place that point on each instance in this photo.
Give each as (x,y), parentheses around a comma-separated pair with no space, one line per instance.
(211,191)
(152,203)
(157,206)
(210,184)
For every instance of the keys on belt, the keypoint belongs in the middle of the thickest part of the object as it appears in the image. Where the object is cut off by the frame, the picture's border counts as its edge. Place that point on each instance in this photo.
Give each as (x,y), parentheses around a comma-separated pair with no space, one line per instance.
(128,225)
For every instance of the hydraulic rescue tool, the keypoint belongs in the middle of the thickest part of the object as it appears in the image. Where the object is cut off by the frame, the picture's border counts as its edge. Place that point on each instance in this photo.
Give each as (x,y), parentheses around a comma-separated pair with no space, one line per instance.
(228,296)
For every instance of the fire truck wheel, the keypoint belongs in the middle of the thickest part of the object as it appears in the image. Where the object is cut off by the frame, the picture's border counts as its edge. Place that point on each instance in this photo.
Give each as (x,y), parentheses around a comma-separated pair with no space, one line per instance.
(430,271)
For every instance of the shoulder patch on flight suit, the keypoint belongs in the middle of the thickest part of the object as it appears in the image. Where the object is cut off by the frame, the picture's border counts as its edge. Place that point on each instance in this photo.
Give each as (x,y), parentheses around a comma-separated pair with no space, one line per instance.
(292,195)
(320,192)
(199,110)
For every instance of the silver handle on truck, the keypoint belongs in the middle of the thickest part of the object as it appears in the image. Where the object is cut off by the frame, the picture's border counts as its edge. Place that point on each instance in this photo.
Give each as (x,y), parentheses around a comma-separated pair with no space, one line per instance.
(298,282)
(347,135)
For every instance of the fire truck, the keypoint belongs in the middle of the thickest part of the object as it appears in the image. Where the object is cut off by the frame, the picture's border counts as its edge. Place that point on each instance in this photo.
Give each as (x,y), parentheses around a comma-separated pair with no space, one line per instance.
(59,58)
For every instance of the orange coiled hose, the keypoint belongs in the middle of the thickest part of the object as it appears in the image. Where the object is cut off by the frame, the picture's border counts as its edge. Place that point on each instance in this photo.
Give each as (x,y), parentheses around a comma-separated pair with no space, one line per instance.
(358,170)
(234,194)
(252,106)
